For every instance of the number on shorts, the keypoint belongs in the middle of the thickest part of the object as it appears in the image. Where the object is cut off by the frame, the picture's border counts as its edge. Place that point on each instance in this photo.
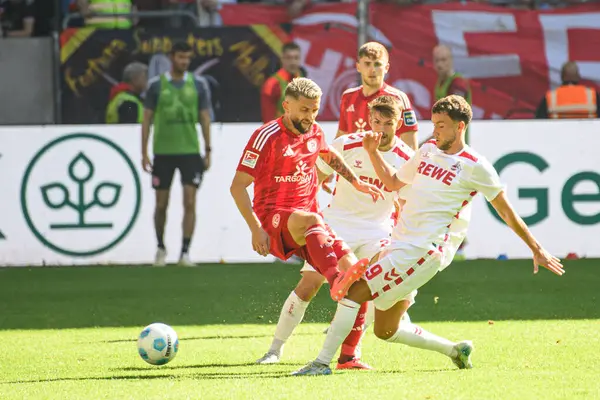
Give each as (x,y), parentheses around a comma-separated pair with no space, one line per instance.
(373,272)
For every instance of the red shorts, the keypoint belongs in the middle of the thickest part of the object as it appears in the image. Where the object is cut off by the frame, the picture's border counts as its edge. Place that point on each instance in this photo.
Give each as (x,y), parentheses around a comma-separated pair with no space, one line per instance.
(283,245)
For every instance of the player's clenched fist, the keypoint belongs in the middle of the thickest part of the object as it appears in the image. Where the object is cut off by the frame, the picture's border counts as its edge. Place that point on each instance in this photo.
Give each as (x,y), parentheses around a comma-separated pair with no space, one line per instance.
(371,141)
(260,242)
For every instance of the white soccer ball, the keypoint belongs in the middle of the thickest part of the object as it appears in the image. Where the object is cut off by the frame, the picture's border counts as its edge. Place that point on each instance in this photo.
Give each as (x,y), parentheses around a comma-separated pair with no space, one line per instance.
(158,344)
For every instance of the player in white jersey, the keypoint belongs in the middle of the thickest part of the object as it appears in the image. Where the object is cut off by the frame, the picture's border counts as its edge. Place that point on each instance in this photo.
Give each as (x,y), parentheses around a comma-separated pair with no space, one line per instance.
(444,176)
(365,225)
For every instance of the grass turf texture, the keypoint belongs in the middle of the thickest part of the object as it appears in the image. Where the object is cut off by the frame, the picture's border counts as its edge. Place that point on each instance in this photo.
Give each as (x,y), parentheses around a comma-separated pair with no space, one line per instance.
(69,333)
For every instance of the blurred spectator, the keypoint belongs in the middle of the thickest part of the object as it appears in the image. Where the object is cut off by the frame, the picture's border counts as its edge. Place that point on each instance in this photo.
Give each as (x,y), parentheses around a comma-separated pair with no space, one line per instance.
(273,89)
(571,99)
(93,11)
(17,18)
(44,16)
(449,81)
(125,104)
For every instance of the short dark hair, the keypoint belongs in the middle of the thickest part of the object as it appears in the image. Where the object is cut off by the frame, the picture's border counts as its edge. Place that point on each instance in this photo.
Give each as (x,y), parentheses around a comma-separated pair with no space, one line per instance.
(374,51)
(181,47)
(290,46)
(455,106)
(388,106)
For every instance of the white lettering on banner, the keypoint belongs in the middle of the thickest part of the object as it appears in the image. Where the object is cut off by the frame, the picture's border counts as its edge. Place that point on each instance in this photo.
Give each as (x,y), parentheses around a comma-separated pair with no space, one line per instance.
(556,44)
(450,28)
(323,74)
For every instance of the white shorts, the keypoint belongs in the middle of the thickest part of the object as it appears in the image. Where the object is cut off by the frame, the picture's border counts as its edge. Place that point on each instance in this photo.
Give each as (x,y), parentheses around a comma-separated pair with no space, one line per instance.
(400,271)
(362,249)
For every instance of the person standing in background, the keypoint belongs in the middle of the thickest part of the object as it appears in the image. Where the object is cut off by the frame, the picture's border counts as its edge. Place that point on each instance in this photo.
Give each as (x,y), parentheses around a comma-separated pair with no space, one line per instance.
(175,103)
(273,90)
(125,105)
(571,99)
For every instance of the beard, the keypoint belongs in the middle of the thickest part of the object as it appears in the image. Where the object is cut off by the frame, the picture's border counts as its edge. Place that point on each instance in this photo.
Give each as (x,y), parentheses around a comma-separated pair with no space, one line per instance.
(298,125)
(446,144)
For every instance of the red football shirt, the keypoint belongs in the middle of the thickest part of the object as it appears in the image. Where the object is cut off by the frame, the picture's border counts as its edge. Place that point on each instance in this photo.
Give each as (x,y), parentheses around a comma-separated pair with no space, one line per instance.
(354,110)
(283,167)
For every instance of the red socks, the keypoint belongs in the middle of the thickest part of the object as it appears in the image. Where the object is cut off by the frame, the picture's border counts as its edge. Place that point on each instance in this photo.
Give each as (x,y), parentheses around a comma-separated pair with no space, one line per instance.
(353,338)
(320,249)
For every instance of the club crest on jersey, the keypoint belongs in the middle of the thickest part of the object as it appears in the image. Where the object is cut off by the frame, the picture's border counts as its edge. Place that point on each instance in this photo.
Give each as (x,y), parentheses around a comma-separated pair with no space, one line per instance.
(358,163)
(275,221)
(456,167)
(250,159)
(410,119)
(311,145)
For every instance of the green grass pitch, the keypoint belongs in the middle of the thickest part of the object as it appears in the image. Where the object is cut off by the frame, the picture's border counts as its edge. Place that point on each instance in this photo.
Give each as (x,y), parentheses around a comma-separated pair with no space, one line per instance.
(70,333)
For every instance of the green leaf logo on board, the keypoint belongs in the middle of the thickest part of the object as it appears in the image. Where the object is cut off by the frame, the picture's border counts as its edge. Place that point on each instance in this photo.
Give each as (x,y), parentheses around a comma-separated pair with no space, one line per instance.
(80,194)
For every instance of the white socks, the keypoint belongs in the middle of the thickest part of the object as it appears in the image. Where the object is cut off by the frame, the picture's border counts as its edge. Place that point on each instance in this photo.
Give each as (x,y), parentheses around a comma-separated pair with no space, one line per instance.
(290,317)
(415,336)
(340,327)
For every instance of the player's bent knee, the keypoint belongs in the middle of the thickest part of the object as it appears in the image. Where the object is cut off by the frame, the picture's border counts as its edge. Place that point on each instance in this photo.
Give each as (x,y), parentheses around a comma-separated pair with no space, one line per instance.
(384,332)
(309,285)
(359,292)
(313,219)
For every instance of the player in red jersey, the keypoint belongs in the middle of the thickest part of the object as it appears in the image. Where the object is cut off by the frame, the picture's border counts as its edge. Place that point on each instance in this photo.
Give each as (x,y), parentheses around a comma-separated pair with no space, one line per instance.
(372,65)
(285,218)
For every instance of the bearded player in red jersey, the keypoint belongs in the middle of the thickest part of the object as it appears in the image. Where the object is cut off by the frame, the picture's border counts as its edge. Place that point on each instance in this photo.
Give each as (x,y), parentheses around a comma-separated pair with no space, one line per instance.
(372,64)
(285,218)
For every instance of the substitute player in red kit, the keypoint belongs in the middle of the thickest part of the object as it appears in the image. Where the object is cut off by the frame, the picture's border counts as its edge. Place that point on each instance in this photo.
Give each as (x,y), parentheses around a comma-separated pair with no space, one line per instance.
(372,65)
(285,219)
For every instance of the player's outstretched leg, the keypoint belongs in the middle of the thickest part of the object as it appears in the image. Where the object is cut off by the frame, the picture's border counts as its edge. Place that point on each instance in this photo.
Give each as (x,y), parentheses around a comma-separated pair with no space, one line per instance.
(390,327)
(342,323)
(309,229)
(292,314)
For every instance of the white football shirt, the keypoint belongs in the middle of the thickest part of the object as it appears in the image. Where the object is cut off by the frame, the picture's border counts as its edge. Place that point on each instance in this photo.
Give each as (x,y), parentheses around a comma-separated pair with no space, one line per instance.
(351,210)
(438,201)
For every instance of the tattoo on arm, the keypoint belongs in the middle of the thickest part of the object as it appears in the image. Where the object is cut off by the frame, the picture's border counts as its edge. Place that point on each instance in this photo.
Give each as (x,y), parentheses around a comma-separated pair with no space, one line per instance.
(339,165)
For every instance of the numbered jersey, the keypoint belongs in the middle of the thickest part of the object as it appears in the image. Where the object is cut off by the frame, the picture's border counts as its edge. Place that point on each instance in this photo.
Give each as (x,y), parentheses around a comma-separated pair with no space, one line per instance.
(350,209)
(354,110)
(438,203)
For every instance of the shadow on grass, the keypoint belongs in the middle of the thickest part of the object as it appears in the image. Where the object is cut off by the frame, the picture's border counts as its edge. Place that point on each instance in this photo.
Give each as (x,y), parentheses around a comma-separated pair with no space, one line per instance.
(218,337)
(482,290)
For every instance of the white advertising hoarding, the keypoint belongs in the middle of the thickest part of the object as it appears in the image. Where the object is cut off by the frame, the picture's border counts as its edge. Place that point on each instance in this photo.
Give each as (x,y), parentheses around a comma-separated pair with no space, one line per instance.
(78,195)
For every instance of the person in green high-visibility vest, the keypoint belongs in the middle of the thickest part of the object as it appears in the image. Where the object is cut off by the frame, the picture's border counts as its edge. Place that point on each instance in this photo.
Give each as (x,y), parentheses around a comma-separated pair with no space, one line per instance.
(449,81)
(100,13)
(273,90)
(125,104)
(175,103)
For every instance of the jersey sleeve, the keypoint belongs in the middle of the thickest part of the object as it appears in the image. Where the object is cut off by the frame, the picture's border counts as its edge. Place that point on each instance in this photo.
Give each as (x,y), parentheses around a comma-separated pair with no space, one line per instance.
(486,181)
(343,124)
(151,100)
(409,122)
(407,172)
(255,155)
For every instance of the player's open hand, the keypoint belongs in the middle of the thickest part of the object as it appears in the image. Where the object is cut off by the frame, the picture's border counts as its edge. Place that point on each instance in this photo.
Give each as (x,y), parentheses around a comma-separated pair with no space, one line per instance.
(146,164)
(367,188)
(548,261)
(371,141)
(261,242)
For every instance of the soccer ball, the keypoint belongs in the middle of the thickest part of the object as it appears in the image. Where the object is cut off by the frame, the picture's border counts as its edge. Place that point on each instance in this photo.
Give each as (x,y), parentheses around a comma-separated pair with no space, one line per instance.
(158,344)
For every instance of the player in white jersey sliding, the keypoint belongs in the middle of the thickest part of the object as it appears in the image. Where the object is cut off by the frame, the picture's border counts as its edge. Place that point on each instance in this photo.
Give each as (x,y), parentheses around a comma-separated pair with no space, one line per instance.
(444,176)
(365,226)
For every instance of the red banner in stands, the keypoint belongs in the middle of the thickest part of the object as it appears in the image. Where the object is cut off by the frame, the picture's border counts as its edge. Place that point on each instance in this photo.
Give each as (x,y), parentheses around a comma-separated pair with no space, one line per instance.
(511,56)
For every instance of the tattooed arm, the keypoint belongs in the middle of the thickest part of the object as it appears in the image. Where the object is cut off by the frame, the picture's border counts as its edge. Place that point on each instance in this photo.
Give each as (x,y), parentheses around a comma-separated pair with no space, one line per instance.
(337,163)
